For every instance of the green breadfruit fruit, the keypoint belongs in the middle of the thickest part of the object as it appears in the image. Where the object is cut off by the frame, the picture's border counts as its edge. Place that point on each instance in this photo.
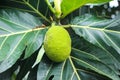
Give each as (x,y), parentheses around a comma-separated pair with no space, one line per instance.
(57,44)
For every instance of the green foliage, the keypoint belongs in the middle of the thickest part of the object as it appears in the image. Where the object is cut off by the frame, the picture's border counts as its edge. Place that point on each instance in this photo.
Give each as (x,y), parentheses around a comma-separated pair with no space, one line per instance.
(67,6)
(17,32)
(95,42)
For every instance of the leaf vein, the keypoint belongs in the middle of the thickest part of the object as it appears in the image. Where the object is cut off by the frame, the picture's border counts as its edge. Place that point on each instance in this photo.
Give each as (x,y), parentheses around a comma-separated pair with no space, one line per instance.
(14,23)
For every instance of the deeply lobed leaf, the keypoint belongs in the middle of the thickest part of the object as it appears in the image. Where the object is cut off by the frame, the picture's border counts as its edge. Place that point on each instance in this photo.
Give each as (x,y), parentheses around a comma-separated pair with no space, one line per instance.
(104,34)
(17,32)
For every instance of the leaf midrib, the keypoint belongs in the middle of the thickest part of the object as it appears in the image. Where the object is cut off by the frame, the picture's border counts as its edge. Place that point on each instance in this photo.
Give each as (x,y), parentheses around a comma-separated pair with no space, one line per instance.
(75,71)
(21,32)
(97,70)
(99,29)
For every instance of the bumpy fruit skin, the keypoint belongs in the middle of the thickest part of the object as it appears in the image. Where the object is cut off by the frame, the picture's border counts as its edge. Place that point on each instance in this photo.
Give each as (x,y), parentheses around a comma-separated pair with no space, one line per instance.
(57,44)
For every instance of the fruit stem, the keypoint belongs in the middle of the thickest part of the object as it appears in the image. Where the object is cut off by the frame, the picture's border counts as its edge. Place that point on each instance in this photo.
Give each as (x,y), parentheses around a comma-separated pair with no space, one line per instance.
(50,6)
(53,24)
